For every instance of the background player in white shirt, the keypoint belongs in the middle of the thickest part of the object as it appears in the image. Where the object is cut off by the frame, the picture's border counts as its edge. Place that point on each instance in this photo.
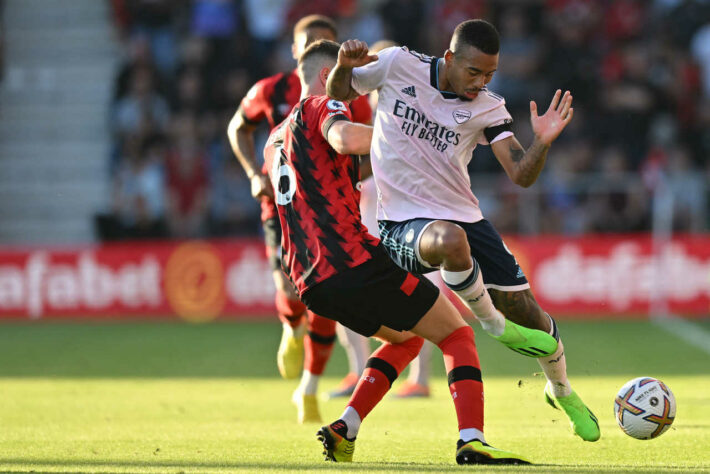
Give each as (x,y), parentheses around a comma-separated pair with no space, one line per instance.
(432,113)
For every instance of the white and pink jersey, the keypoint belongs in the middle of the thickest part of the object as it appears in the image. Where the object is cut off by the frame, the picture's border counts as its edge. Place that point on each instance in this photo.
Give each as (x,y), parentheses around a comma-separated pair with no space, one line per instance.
(424,138)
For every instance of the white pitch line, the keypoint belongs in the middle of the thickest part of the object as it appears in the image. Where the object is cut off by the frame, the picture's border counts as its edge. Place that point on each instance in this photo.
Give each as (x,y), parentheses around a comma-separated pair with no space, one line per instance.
(690,332)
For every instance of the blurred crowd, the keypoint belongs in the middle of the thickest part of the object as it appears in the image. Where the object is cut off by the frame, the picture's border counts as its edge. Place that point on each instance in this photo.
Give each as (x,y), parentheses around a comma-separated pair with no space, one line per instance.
(639,72)
(2,39)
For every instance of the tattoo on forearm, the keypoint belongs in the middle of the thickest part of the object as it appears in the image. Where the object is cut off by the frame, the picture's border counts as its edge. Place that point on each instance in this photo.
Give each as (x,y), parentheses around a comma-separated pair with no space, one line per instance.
(517,154)
(530,162)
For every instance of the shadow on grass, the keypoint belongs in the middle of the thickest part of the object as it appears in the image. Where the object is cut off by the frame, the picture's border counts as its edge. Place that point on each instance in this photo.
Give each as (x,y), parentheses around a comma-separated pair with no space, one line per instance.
(248,349)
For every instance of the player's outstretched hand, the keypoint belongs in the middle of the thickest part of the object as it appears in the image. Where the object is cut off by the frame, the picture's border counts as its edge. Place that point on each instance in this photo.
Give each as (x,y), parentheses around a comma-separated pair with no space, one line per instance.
(261,187)
(353,53)
(549,126)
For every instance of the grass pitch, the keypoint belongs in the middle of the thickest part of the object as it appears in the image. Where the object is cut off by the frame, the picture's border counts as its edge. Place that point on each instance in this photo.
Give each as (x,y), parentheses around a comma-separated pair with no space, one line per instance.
(171,397)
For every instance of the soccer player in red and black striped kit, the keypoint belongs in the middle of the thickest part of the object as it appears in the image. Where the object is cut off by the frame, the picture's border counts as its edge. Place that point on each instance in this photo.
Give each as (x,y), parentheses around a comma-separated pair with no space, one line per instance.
(342,272)
(272,99)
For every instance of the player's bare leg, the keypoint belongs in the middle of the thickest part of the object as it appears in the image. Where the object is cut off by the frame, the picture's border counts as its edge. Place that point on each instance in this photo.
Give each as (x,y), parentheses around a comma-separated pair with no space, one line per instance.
(417,383)
(357,349)
(442,325)
(318,345)
(445,245)
(291,311)
(521,307)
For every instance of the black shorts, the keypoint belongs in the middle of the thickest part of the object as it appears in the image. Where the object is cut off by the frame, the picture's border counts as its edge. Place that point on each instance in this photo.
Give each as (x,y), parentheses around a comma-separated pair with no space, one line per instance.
(498,265)
(376,293)
(272,239)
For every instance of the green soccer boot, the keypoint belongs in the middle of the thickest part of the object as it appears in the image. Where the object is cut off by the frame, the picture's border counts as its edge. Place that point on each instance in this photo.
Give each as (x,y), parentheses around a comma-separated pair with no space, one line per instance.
(526,341)
(583,422)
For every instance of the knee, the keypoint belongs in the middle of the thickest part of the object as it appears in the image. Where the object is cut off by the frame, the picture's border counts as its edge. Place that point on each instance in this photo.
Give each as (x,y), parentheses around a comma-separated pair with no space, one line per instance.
(288,305)
(452,244)
(283,284)
(320,326)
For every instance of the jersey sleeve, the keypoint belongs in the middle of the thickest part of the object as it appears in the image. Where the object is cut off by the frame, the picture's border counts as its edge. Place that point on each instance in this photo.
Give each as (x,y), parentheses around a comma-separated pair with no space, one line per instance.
(330,111)
(498,126)
(372,76)
(254,106)
(361,110)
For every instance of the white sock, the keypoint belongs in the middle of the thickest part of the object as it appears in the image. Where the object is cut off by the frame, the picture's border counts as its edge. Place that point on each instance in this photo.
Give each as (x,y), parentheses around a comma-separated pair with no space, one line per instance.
(309,383)
(298,331)
(356,347)
(555,368)
(352,419)
(467,434)
(476,297)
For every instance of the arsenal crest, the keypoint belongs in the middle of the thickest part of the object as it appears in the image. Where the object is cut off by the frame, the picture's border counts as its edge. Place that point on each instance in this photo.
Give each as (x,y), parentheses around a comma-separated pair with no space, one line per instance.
(461,116)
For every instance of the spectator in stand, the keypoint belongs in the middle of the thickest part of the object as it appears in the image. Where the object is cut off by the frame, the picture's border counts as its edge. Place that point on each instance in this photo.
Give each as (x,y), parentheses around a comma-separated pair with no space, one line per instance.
(624,20)
(142,108)
(403,22)
(138,55)
(571,63)
(229,92)
(700,47)
(266,23)
(187,186)
(365,24)
(2,39)
(189,92)
(689,200)
(156,19)
(138,190)
(335,9)
(629,104)
(219,23)
(631,65)
(231,210)
(562,199)
(614,204)
(446,14)
(517,77)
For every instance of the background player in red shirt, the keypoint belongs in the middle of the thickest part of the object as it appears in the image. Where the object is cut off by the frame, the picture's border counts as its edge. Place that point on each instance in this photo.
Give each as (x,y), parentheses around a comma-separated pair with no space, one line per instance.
(343,272)
(272,99)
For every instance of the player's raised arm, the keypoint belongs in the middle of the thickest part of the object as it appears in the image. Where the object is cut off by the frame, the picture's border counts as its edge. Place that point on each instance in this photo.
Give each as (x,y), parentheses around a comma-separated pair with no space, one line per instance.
(524,166)
(241,138)
(348,138)
(352,53)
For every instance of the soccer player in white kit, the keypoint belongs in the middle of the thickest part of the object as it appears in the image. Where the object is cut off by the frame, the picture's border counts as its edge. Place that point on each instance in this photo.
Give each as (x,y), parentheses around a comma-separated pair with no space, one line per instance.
(432,113)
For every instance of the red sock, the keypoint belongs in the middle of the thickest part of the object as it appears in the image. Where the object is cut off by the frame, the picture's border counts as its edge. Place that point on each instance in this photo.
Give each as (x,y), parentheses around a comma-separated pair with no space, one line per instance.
(290,310)
(463,369)
(318,343)
(381,370)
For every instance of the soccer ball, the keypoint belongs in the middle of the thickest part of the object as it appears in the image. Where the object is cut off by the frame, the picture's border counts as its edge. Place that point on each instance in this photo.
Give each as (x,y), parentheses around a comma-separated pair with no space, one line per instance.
(644,408)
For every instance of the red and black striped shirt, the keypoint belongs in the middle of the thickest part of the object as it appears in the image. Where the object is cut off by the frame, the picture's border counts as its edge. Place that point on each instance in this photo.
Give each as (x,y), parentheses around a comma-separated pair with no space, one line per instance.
(272,98)
(316,195)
